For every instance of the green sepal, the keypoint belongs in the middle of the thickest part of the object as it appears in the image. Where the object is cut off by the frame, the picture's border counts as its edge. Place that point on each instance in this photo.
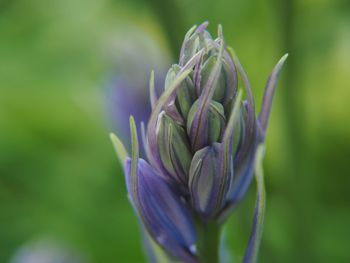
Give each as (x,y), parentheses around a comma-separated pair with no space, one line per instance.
(191,46)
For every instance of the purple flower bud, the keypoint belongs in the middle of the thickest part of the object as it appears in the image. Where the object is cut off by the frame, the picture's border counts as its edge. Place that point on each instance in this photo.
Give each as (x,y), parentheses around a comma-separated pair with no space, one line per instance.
(205,180)
(201,144)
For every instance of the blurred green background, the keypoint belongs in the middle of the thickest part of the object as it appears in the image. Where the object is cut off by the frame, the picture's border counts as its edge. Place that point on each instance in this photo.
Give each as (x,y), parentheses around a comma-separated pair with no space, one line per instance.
(59,177)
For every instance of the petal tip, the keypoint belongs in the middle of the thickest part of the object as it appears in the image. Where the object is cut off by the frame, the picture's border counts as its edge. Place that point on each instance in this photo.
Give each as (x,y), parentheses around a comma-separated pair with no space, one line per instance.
(202,27)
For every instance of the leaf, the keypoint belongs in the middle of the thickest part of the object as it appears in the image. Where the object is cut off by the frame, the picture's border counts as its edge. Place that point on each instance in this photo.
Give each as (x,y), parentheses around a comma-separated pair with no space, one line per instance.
(252,250)
(269,92)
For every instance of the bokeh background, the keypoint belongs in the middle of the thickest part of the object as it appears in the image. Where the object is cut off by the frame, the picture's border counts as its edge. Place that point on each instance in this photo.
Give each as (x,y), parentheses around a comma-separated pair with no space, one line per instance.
(60,62)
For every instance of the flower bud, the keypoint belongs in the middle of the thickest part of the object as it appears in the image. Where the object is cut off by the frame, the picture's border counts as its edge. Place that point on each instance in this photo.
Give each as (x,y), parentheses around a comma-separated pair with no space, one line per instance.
(205,180)
(214,124)
(174,149)
(221,85)
(201,144)
(185,95)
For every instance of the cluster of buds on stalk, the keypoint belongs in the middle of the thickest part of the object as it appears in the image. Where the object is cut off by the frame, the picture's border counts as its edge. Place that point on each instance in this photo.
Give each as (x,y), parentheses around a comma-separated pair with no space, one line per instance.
(201,142)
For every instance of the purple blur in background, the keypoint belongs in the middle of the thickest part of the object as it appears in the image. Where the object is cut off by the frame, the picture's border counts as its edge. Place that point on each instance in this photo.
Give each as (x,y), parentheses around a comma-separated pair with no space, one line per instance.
(134,57)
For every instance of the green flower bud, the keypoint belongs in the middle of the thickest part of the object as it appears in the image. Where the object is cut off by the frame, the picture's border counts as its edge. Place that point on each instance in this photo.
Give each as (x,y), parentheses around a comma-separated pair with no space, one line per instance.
(221,84)
(215,123)
(204,180)
(186,93)
(173,148)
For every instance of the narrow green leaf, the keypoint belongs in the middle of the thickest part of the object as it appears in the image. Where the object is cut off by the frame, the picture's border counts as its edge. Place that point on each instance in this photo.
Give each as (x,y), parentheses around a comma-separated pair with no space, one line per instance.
(269,92)
(119,148)
(252,250)
(134,155)
(152,90)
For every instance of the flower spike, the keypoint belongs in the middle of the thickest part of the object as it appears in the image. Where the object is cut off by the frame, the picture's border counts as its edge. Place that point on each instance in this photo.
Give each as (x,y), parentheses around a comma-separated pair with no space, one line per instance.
(203,143)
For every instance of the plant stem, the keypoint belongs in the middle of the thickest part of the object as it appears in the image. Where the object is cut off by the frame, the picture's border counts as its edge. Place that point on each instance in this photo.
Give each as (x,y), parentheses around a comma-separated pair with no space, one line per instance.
(208,242)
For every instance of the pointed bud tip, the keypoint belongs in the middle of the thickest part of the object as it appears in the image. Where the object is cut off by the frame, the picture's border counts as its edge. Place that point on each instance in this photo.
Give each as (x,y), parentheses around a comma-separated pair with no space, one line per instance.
(132,123)
(118,147)
(134,140)
(220,35)
(152,89)
(202,27)
(283,59)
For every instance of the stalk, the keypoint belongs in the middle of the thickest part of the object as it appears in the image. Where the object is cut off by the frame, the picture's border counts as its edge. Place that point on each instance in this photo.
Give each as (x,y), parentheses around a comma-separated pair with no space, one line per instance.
(208,242)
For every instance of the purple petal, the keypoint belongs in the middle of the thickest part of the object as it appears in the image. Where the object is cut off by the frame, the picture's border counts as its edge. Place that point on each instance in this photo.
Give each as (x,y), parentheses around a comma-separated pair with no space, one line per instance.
(202,27)
(241,182)
(162,212)
(250,123)
(208,180)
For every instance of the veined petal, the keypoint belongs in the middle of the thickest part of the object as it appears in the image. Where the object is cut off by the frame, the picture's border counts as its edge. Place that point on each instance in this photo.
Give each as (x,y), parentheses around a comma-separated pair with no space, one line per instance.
(160,208)
(153,154)
(214,125)
(243,178)
(245,154)
(192,43)
(231,74)
(197,75)
(206,179)
(174,148)
(165,216)
(179,103)
(185,44)
(226,170)
(240,184)
(200,118)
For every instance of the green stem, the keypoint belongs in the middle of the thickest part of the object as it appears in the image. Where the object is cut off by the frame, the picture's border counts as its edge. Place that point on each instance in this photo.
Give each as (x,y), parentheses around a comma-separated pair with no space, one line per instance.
(208,242)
